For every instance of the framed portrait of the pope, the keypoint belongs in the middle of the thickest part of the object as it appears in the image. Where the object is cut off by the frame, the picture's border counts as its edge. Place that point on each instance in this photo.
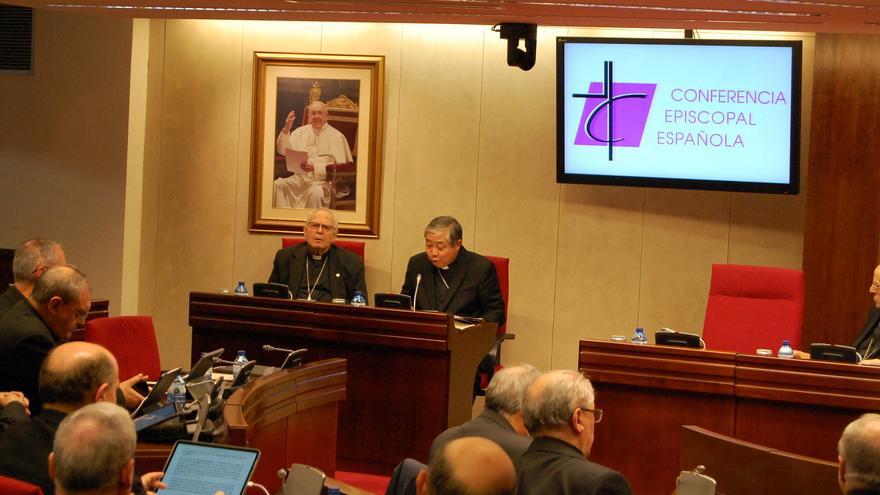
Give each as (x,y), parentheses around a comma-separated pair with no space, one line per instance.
(317,141)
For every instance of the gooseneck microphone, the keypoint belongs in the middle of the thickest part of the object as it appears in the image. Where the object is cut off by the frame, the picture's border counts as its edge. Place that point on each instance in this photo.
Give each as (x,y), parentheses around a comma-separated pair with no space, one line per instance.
(267,347)
(416,292)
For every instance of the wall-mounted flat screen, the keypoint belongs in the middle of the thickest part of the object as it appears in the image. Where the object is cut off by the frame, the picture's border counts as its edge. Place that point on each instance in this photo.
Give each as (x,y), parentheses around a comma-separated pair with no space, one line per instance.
(690,114)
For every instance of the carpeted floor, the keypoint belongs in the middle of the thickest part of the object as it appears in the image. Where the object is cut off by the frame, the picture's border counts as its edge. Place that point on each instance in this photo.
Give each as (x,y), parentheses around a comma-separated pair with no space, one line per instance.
(369,482)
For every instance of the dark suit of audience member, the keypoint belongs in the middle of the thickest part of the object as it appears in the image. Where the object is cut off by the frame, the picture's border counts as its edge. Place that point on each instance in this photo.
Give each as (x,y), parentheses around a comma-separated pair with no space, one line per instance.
(25,340)
(25,447)
(554,466)
(9,299)
(343,275)
(556,461)
(472,282)
(489,425)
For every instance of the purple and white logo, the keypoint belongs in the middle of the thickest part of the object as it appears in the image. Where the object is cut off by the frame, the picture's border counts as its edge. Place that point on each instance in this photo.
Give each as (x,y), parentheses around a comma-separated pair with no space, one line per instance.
(616,117)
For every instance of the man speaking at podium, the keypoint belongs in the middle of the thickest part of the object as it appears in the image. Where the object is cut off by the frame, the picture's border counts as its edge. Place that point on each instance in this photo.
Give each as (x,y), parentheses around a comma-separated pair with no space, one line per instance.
(316,270)
(449,278)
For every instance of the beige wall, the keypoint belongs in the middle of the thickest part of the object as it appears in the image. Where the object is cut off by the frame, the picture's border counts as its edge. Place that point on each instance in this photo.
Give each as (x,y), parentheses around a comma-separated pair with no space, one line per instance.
(63,133)
(464,135)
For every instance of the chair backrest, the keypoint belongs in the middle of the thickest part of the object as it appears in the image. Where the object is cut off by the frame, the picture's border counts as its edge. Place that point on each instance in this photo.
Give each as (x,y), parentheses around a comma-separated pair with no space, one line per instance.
(12,486)
(753,307)
(502,267)
(131,339)
(356,247)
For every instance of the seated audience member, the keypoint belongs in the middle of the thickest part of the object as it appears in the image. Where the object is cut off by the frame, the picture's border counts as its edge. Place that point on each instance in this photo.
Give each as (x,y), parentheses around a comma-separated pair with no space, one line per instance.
(58,305)
(468,466)
(501,421)
(859,457)
(32,258)
(559,411)
(93,452)
(73,375)
(317,270)
(867,343)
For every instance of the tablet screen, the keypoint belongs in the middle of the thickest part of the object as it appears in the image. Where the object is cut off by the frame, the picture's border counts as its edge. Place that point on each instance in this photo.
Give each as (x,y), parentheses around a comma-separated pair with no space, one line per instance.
(199,469)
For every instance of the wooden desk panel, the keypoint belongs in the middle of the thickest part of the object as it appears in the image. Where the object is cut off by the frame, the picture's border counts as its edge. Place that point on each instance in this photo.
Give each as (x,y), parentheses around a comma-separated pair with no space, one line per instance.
(795,406)
(410,374)
(647,393)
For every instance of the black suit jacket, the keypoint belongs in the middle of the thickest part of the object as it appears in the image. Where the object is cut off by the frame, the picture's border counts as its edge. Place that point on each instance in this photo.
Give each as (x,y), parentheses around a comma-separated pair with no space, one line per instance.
(9,299)
(553,466)
(868,329)
(345,269)
(25,340)
(489,425)
(25,447)
(473,290)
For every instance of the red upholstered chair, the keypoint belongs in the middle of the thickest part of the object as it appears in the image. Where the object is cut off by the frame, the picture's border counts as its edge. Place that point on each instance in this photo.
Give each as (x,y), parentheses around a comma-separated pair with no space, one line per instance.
(754,307)
(356,247)
(131,339)
(12,486)
(502,267)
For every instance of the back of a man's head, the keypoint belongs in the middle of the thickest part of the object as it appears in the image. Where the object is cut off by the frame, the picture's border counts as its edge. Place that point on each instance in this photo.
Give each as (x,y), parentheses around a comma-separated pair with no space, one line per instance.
(550,399)
(468,466)
(65,281)
(505,391)
(73,373)
(33,257)
(859,452)
(94,451)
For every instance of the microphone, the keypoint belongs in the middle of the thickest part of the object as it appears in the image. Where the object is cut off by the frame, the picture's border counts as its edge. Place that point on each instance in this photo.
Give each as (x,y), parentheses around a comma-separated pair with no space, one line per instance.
(267,347)
(416,292)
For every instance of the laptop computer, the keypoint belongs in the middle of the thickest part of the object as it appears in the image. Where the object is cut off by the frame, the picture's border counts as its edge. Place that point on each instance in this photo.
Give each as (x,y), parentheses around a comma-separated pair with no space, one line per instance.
(205,468)
(203,364)
(154,399)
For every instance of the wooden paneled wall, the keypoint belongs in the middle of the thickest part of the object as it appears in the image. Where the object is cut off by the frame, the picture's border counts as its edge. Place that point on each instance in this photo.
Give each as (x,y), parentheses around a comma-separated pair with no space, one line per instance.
(843,187)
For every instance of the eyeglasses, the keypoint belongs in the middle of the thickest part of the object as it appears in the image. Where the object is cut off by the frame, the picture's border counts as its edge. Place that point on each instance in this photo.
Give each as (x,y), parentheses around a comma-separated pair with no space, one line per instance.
(80,313)
(316,226)
(597,413)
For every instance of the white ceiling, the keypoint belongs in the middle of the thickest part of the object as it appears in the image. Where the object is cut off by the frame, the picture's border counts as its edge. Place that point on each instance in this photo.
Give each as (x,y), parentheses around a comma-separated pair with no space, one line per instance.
(861,16)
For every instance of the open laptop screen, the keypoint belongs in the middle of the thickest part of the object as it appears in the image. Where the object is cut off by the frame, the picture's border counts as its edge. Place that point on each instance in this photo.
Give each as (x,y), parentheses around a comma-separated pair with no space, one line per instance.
(201,468)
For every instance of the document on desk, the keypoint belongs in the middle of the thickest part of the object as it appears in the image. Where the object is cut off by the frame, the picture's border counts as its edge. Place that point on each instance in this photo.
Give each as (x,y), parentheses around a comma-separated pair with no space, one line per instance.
(465,322)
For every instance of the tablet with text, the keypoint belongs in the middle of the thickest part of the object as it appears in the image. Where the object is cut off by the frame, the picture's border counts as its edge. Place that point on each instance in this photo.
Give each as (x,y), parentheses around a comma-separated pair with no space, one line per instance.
(204,468)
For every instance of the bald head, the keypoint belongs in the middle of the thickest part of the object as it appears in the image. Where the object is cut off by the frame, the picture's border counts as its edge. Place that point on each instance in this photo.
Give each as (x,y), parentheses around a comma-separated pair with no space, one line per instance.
(859,454)
(78,373)
(469,466)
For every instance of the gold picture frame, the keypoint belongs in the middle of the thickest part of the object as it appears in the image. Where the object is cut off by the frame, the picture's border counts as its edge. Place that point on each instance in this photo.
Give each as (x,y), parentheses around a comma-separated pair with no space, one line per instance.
(334,160)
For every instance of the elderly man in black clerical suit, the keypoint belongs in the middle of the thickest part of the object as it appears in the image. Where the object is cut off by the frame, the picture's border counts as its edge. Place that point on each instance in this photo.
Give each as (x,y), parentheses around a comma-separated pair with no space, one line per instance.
(559,411)
(32,258)
(502,420)
(317,270)
(858,455)
(449,278)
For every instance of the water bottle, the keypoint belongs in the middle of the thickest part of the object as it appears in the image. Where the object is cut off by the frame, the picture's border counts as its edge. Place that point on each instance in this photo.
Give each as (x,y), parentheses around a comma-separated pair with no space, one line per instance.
(785,351)
(241,289)
(240,360)
(358,299)
(639,337)
(177,393)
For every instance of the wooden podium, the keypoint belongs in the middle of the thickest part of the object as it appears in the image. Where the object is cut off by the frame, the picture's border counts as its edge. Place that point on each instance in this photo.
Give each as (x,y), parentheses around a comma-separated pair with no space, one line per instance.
(648,392)
(410,374)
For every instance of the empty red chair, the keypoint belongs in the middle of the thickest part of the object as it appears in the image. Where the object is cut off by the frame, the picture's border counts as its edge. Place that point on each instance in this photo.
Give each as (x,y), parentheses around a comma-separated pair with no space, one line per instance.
(131,339)
(356,247)
(12,486)
(754,307)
